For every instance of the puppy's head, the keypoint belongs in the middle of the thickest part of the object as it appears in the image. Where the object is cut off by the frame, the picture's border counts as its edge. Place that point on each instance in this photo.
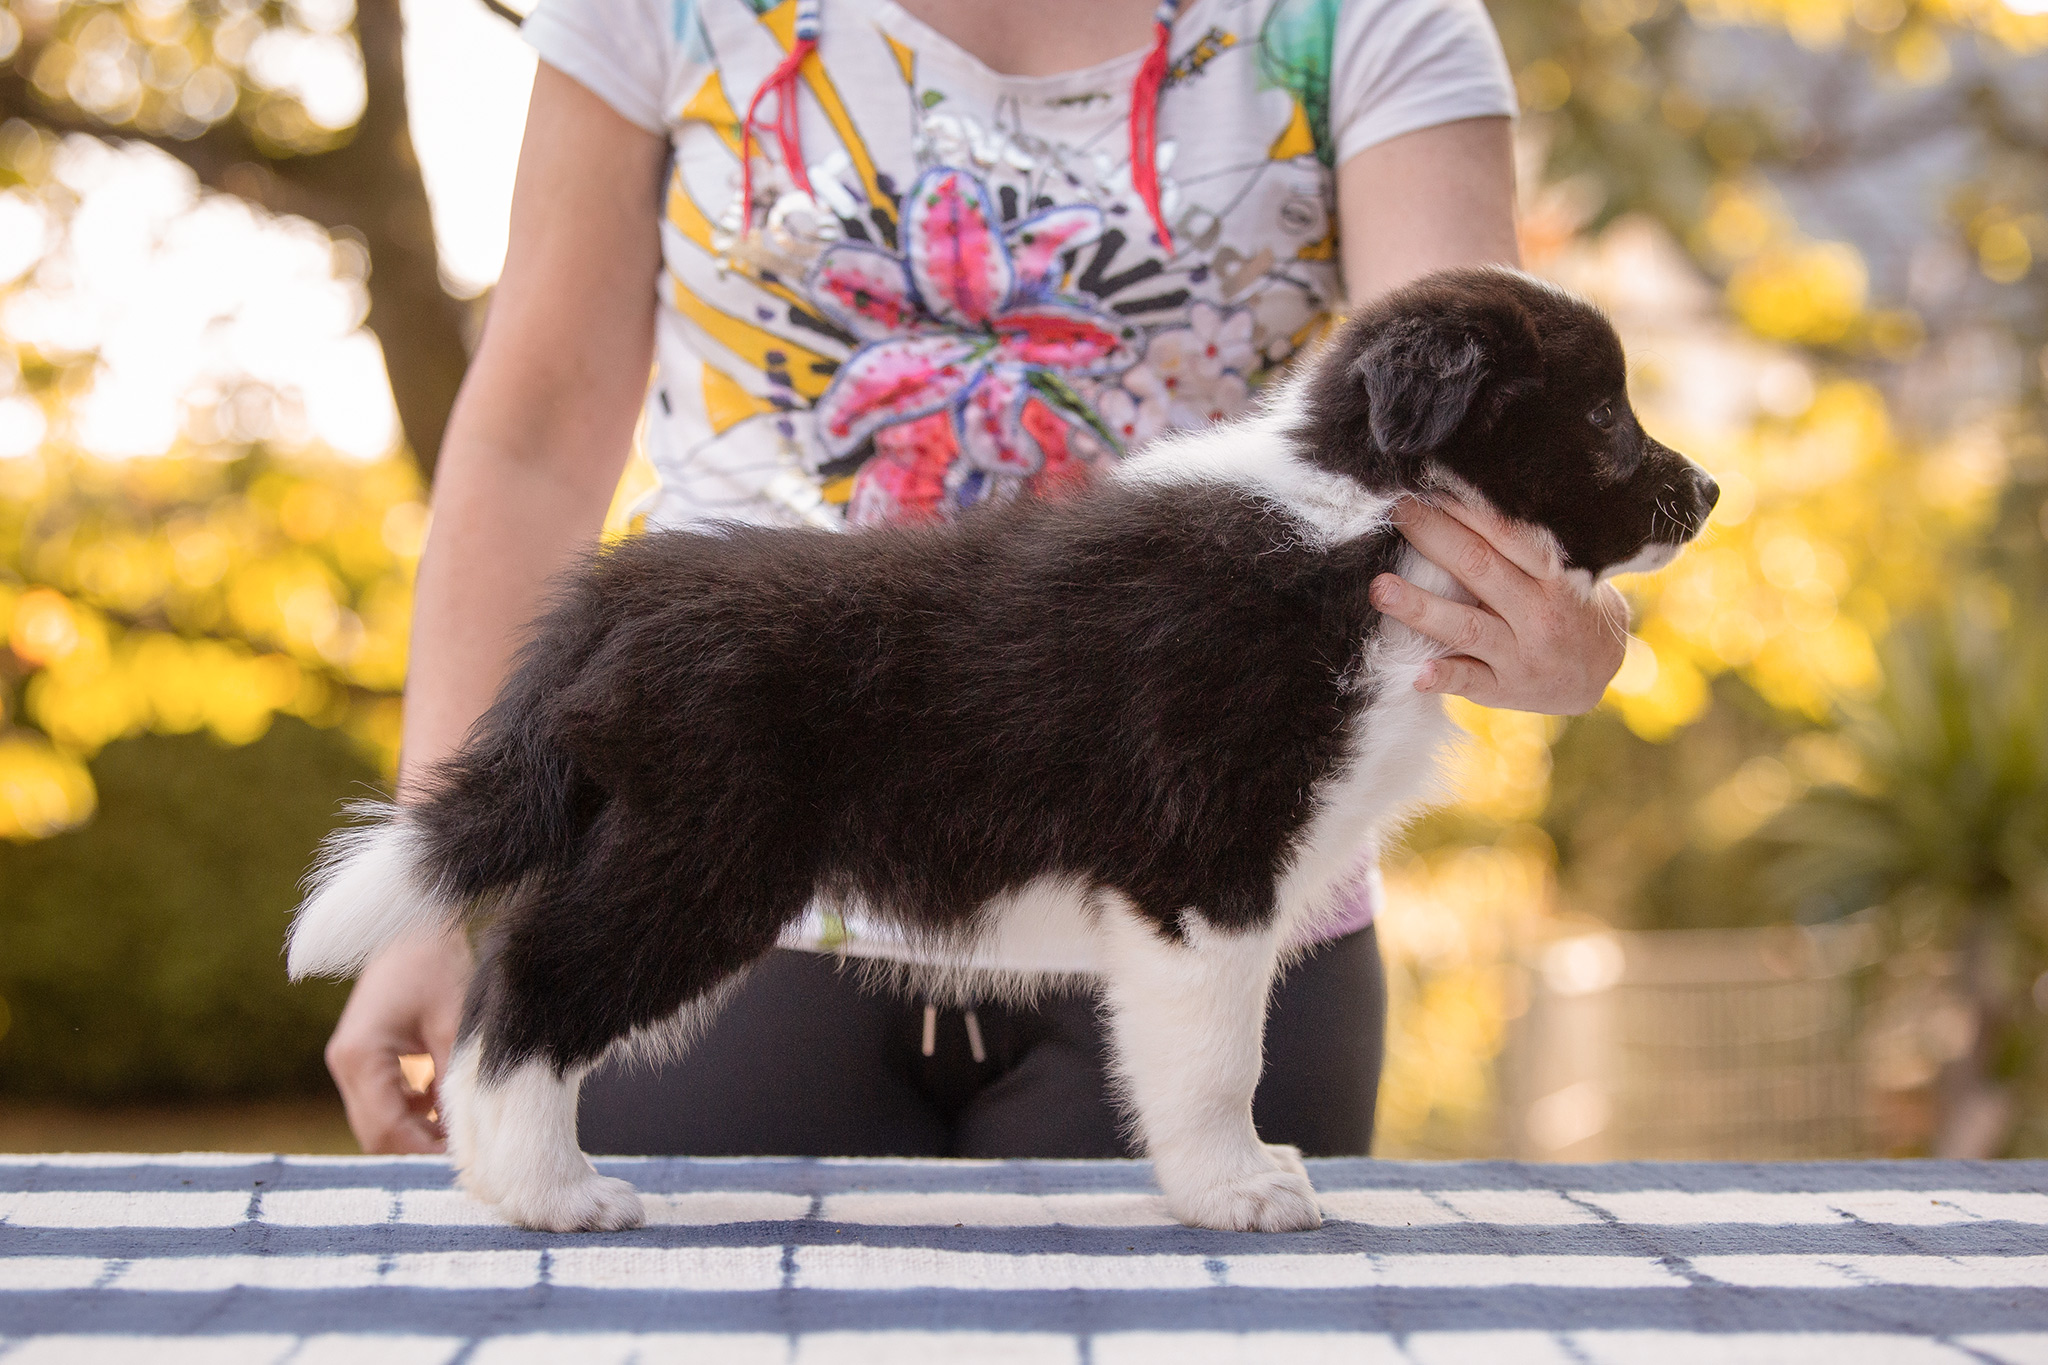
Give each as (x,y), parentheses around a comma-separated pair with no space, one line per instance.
(1489,380)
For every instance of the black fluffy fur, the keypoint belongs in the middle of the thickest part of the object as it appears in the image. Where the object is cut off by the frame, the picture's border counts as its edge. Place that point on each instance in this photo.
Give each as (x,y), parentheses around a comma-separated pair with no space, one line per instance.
(1139,687)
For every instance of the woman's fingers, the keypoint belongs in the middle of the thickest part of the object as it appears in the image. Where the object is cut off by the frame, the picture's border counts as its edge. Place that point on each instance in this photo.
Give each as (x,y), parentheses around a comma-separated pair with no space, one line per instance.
(407,1001)
(1466,677)
(1536,641)
(1466,555)
(1532,551)
(1457,627)
(440,1040)
(387,1115)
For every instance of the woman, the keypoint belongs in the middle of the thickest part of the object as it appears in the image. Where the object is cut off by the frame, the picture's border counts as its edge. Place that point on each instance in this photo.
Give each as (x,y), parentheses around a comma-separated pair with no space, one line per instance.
(891,259)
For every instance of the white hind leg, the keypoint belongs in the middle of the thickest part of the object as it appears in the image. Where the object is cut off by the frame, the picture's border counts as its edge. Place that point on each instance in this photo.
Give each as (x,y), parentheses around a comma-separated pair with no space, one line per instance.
(513,1141)
(1187,1021)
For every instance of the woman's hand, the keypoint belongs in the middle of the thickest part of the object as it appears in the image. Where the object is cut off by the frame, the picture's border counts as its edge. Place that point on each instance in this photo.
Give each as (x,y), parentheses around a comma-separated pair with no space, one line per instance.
(407,1001)
(1534,642)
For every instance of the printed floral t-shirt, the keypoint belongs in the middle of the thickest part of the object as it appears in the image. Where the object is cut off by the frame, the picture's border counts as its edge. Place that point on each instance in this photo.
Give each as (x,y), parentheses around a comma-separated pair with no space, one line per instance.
(972,302)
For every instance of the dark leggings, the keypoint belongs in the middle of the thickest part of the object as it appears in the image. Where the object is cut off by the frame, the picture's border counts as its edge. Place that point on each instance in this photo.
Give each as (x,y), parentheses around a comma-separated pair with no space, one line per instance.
(803,1062)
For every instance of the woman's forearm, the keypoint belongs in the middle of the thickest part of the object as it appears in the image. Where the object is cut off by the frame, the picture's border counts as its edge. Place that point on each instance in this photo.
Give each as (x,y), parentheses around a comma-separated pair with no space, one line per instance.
(545,419)
(503,528)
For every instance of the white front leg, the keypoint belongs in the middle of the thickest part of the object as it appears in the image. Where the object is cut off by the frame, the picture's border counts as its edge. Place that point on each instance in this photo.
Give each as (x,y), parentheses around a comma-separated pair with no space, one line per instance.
(513,1142)
(1186,1024)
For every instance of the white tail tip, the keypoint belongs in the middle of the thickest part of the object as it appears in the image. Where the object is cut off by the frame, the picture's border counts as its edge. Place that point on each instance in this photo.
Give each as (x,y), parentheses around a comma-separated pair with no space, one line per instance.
(364,892)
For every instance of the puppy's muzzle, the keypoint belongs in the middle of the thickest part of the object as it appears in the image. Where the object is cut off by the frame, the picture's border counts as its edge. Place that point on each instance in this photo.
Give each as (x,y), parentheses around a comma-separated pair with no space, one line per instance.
(1704,494)
(1691,493)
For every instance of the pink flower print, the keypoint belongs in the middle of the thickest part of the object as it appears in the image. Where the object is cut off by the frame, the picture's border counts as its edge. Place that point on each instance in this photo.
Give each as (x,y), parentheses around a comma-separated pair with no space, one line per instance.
(1059,336)
(1065,456)
(865,290)
(993,437)
(958,263)
(894,382)
(967,324)
(1037,243)
(1071,452)
(905,479)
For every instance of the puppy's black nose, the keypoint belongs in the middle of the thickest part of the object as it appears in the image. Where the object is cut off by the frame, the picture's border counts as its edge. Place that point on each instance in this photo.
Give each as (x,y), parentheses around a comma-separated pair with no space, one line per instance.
(1705,490)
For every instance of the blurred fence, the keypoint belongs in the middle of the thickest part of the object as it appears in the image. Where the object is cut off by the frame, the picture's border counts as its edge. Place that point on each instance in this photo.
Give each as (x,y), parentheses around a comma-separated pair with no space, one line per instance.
(1711,1043)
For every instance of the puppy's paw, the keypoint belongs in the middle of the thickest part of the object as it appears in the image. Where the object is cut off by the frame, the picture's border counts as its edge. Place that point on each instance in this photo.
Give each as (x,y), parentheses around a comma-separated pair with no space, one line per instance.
(1288,1156)
(596,1203)
(472,1183)
(1264,1201)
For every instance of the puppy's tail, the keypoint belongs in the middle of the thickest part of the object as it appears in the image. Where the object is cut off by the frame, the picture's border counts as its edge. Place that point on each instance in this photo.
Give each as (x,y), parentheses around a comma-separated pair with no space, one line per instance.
(501,808)
(369,887)
(510,803)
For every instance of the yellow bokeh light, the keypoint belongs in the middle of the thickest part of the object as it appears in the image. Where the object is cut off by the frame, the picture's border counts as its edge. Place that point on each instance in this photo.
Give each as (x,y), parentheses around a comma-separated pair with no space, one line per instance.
(1502,770)
(44,631)
(1811,293)
(42,790)
(1454,922)
(177,604)
(2004,253)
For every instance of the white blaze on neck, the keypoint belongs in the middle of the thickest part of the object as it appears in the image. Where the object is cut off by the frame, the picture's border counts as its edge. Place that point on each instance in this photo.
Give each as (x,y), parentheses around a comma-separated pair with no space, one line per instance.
(1649,559)
(1257,455)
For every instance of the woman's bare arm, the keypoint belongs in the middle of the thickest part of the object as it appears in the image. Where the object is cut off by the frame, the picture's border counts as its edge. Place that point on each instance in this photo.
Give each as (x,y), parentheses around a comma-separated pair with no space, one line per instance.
(1427,200)
(1438,197)
(535,446)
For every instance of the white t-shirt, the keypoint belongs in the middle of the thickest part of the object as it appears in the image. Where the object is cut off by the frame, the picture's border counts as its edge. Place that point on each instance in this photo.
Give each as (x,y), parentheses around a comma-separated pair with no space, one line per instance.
(972,302)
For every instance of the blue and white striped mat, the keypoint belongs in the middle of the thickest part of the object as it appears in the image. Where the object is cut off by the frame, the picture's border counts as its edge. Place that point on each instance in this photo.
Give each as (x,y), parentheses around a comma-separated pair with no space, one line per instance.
(234,1259)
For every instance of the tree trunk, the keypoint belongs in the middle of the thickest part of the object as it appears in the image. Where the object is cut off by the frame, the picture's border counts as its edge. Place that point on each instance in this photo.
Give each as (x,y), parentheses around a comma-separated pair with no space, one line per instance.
(371,185)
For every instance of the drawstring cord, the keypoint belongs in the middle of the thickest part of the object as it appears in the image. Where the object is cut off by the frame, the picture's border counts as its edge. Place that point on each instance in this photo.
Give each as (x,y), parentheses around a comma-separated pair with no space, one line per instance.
(930,1042)
(784,79)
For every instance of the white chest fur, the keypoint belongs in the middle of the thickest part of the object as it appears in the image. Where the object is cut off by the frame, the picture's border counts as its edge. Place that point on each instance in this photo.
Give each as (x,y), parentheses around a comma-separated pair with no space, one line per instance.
(1392,768)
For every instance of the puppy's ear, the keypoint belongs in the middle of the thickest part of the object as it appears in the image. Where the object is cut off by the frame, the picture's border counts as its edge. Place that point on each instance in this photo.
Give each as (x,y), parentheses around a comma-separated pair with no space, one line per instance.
(1424,376)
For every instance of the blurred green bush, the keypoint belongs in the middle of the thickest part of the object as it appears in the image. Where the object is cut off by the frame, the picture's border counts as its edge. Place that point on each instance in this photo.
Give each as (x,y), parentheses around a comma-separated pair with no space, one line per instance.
(141,956)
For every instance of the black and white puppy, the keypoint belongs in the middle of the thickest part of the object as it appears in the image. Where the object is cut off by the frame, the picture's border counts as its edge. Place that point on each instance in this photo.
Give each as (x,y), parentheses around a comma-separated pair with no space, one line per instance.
(1161,715)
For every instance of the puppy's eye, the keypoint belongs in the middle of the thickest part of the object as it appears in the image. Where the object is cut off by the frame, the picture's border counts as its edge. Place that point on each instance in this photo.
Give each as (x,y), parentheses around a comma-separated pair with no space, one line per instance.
(1602,416)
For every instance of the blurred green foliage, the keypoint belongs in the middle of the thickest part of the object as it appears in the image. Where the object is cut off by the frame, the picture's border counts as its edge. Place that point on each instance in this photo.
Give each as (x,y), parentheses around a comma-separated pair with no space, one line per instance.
(142,956)
(1942,839)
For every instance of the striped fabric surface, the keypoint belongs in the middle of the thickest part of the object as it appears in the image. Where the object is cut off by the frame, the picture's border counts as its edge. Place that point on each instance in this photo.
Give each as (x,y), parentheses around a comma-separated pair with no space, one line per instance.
(232,1259)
